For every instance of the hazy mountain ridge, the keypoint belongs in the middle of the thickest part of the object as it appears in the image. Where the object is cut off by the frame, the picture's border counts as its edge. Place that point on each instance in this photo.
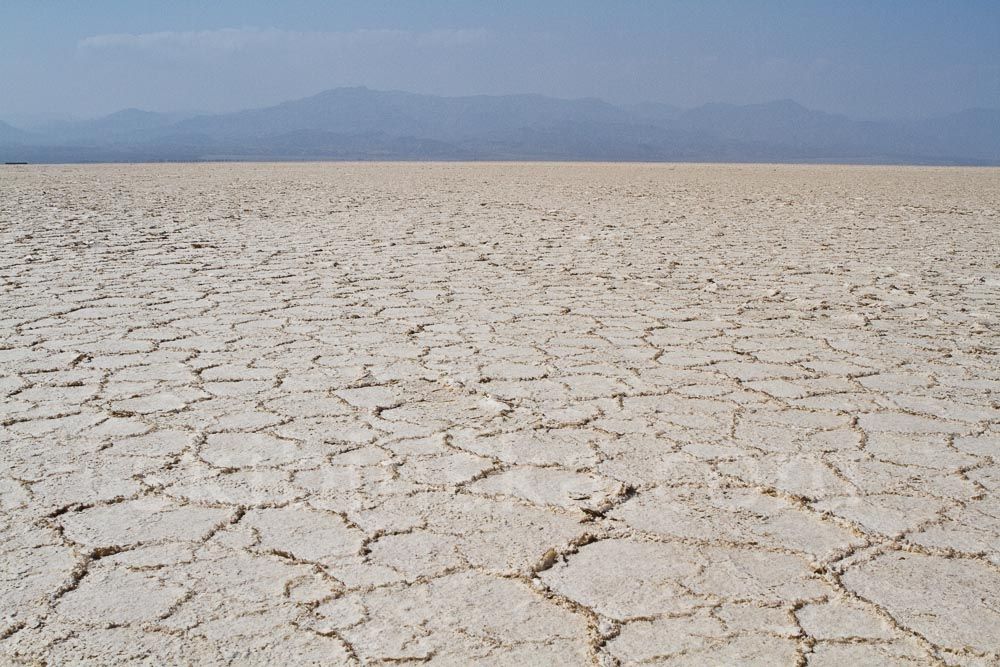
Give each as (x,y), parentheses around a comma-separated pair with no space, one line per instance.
(359,124)
(10,134)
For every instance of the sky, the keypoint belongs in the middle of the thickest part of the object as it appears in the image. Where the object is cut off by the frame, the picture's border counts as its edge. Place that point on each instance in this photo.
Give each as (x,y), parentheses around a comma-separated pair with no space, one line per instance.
(867,59)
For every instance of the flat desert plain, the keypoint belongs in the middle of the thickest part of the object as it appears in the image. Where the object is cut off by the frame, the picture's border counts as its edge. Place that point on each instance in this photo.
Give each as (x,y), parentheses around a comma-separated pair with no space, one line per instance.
(499,414)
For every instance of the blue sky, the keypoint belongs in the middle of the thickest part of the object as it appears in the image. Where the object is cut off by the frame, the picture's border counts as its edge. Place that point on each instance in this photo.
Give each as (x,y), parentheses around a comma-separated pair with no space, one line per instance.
(867,59)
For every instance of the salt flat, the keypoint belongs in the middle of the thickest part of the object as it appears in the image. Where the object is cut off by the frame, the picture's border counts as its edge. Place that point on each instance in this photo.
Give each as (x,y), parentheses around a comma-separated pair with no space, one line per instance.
(499,414)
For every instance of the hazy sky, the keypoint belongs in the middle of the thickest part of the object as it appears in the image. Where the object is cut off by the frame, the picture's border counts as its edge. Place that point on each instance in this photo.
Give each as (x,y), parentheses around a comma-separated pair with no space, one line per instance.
(875,58)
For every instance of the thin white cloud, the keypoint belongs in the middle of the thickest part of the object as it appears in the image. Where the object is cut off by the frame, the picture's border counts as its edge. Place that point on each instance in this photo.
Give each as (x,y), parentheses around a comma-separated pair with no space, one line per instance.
(227,40)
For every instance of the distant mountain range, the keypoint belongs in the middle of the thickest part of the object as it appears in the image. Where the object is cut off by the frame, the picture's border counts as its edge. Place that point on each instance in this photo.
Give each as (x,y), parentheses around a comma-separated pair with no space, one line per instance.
(363,124)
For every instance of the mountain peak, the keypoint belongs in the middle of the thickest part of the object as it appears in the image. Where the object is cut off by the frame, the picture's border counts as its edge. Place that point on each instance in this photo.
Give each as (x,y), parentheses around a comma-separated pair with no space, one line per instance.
(785,103)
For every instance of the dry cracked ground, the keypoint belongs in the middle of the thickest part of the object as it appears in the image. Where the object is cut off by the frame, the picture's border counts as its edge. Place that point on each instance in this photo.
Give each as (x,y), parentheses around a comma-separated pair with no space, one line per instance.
(499,414)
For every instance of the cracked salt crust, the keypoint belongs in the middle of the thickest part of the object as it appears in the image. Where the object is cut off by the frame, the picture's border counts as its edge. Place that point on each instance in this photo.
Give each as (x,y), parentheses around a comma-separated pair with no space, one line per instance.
(499,414)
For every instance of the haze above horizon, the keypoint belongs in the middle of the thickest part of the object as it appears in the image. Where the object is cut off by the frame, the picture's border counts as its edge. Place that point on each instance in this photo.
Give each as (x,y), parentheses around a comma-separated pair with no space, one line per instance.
(888,60)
